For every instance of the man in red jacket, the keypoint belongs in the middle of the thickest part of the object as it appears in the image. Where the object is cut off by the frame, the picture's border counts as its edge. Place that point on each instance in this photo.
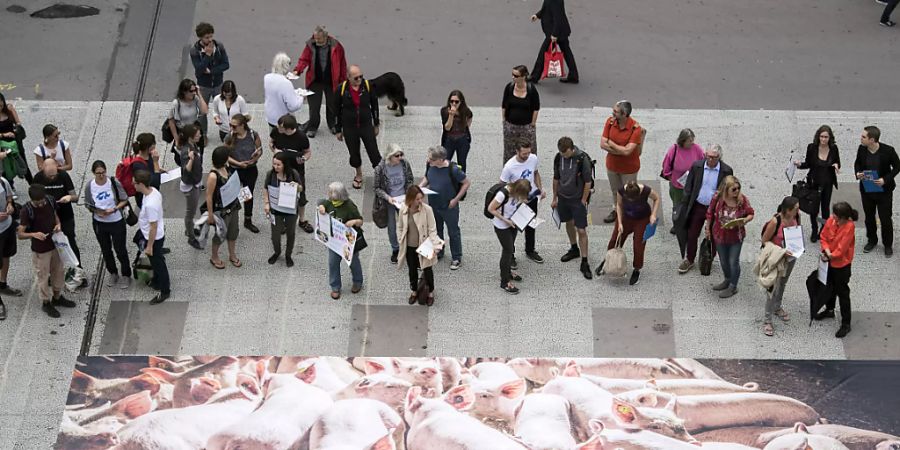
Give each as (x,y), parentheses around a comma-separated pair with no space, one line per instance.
(325,63)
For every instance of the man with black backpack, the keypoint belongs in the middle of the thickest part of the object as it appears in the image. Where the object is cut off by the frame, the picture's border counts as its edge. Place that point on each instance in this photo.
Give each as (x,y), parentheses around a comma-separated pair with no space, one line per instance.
(573,180)
(451,184)
(524,165)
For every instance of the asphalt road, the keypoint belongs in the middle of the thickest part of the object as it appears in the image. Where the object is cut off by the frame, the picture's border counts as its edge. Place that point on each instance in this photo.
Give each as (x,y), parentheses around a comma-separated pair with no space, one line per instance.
(704,54)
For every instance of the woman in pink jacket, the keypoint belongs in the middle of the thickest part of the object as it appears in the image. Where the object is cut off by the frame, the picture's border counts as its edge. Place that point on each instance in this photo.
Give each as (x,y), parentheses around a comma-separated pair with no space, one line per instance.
(677,162)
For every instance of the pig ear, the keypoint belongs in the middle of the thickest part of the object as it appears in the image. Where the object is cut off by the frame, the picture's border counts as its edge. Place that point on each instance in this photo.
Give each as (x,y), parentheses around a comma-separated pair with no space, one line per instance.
(596,426)
(145,382)
(81,381)
(362,385)
(800,427)
(672,404)
(460,397)
(262,369)
(396,363)
(385,443)
(160,374)
(572,369)
(134,405)
(412,398)
(554,372)
(306,372)
(373,367)
(513,389)
(248,386)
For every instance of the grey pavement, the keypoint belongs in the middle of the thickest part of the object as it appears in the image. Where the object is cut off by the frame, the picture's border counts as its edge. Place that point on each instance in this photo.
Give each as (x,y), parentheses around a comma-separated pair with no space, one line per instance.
(770,54)
(262,309)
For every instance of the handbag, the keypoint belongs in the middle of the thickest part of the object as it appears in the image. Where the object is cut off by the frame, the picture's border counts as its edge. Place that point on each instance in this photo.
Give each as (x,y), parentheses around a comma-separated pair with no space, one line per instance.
(671,164)
(616,261)
(554,66)
(422,291)
(808,195)
(380,213)
(360,241)
(706,257)
(131,219)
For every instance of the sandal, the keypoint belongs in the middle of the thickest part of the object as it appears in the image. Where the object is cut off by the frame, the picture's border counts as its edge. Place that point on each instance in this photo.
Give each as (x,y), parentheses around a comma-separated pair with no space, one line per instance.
(219,266)
(235,262)
(515,277)
(768,329)
(783,315)
(306,226)
(357,183)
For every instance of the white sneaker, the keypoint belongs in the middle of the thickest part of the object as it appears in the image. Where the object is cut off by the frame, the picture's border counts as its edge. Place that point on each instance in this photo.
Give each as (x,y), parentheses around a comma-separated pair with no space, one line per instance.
(124,282)
(112,279)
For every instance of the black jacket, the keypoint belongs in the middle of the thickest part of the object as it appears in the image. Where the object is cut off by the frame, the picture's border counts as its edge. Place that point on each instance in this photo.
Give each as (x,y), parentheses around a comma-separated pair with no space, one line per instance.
(812,154)
(553,19)
(888,166)
(694,183)
(348,115)
(217,64)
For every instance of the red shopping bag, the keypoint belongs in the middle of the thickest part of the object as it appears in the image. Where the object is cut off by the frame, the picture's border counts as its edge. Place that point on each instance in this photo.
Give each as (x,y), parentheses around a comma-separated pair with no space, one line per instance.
(554,67)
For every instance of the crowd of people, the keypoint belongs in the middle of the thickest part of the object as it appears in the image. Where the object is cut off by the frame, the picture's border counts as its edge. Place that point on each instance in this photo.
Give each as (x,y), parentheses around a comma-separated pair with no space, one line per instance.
(705,191)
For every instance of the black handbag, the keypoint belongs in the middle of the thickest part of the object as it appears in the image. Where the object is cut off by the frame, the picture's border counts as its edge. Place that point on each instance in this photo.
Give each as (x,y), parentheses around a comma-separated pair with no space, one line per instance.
(380,211)
(706,257)
(671,165)
(808,195)
(131,219)
(360,241)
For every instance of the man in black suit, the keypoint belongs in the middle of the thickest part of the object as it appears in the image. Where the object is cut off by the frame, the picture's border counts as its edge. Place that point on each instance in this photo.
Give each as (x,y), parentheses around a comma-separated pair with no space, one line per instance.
(702,181)
(556,29)
(880,159)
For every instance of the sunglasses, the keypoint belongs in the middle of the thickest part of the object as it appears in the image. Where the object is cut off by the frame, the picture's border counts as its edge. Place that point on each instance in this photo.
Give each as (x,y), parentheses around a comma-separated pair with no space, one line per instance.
(357,78)
(454,101)
(736,189)
(399,154)
(515,75)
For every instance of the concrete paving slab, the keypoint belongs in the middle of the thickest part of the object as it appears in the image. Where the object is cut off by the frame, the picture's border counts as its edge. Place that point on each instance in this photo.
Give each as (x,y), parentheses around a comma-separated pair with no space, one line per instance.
(388,330)
(849,192)
(142,328)
(632,331)
(874,336)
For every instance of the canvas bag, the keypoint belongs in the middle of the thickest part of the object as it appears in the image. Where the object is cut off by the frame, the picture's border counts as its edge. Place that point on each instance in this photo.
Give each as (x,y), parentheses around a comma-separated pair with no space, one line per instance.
(554,65)
(616,262)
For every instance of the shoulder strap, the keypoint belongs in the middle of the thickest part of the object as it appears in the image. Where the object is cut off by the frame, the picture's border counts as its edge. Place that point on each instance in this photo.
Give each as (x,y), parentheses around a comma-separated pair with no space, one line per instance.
(367,87)
(343,87)
(62,146)
(114,189)
(674,155)
(43,151)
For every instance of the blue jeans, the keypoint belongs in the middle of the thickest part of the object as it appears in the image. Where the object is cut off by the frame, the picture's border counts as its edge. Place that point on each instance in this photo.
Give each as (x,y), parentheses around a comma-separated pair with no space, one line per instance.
(459,146)
(450,216)
(730,258)
(392,227)
(334,270)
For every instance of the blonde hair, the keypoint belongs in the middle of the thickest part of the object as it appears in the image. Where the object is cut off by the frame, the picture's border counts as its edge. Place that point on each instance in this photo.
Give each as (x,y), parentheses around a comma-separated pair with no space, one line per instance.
(519,189)
(392,149)
(727,183)
(281,64)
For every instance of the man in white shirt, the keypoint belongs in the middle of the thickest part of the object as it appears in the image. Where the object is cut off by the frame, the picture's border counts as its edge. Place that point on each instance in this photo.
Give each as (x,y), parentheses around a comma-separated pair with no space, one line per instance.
(153,233)
(524,165)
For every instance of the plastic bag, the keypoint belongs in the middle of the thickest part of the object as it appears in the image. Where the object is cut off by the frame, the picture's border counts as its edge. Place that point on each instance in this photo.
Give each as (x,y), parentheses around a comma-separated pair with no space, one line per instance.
(66,254)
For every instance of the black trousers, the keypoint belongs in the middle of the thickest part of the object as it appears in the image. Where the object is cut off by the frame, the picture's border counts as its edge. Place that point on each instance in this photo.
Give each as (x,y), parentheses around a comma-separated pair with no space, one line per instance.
(879,203)
(160,270)
(365,134)
(315,105)
(824,207)
(112,235)
(529,232)
(839,284)
(68,229)
(507,238)
(888,9)
(563,43)
(248,178)
(412,263)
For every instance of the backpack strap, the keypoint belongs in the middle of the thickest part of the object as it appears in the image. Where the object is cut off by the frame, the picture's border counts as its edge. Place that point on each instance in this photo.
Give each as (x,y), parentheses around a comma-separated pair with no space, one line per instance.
(62,146)
(344,87)
(44,151)
(367,86)
(114,189)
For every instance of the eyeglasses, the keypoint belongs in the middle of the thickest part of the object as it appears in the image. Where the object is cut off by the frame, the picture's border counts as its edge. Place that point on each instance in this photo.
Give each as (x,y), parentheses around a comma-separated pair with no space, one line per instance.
(235,124)
(454,101)
(398,154)
(736,189)
(515,75)
(100,173)
(357,78)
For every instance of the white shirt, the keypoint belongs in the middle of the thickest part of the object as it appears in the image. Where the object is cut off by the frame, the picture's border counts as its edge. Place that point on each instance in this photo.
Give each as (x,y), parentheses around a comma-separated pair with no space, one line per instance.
(238,106)
(506,210)
(55,152)
(514,170)
(105,198)
(281,98)
(152,211)
(4,199)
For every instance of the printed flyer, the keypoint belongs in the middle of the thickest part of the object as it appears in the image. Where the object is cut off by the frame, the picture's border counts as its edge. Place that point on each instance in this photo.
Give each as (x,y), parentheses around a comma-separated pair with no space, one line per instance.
(338,237)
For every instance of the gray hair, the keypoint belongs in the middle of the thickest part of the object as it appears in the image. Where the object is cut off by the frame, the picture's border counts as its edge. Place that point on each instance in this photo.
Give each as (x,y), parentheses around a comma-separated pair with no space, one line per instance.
(281,64)
(437,153)
(337,191)
(714,148)
(625,107)
(392,149)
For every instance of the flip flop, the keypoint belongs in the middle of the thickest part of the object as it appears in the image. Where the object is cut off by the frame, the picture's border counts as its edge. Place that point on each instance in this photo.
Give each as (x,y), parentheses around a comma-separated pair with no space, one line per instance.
(235,263)
(357,183)
(219,266)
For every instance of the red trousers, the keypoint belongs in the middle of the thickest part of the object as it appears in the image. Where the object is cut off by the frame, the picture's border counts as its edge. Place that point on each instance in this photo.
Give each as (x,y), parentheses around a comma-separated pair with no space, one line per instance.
(630,226)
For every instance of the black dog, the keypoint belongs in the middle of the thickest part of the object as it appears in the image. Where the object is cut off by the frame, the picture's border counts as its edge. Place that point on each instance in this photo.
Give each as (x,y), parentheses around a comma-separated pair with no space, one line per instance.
(391,86)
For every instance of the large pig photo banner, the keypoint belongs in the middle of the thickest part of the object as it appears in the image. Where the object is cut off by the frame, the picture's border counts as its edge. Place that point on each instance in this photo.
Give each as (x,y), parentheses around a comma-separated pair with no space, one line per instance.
(338,237)
(266,402)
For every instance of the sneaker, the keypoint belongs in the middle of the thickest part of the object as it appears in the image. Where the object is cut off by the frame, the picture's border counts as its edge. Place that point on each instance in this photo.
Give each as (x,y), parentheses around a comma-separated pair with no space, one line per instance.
(721,286)
(635,277)
(826,314)
(881,2)
(249,225)
(50,310)
(869,247)
(159,298)
(440,255)
(685,267)
(394,255)
(6,290)
(288,261)
(124,282)
(454,265)
(843,331)
(355,288)
(600,271)
(62,301)
(514,265)
(112,279)
(814,237)
(333,130)
(274,258)
(534,256)
(195,243)
(311,133)
(728,292)
(570,255)
(884,24)
(586,270)
(610,218)
(510,289)
(888,252)
(672,230)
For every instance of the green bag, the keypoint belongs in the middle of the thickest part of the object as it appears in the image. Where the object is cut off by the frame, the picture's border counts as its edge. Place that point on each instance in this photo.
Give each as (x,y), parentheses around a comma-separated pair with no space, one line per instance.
(13,165)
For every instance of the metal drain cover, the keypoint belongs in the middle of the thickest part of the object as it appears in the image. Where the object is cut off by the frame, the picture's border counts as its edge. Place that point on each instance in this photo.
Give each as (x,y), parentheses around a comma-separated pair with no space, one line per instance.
(65,11)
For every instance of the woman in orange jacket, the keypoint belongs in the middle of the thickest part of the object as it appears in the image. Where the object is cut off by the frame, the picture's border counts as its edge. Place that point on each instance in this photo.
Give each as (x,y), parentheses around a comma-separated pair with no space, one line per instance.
(838,240)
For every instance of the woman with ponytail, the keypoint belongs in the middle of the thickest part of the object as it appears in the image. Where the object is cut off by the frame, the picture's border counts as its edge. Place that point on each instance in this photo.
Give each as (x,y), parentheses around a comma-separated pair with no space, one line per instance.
(838,240)
(773,231)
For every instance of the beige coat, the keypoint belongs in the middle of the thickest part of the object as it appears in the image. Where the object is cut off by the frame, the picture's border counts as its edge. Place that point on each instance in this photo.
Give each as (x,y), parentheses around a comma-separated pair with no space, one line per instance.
(425,223)
(770,264)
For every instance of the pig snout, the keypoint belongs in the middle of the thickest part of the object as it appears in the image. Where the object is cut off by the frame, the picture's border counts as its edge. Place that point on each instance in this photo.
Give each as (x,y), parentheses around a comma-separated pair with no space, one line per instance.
(428,373)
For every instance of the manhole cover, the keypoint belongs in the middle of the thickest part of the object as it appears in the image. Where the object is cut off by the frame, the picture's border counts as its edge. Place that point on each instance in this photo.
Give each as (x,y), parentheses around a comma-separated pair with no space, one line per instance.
(65,11)
(15,9)
(661,328)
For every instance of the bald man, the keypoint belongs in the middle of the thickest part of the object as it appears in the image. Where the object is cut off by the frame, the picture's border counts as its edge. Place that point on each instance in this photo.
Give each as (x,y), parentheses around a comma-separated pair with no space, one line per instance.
(58,184)
(357,120)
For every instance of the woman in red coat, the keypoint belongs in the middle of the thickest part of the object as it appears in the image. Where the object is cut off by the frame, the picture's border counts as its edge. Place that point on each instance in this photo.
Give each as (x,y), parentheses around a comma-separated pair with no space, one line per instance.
(838,242)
